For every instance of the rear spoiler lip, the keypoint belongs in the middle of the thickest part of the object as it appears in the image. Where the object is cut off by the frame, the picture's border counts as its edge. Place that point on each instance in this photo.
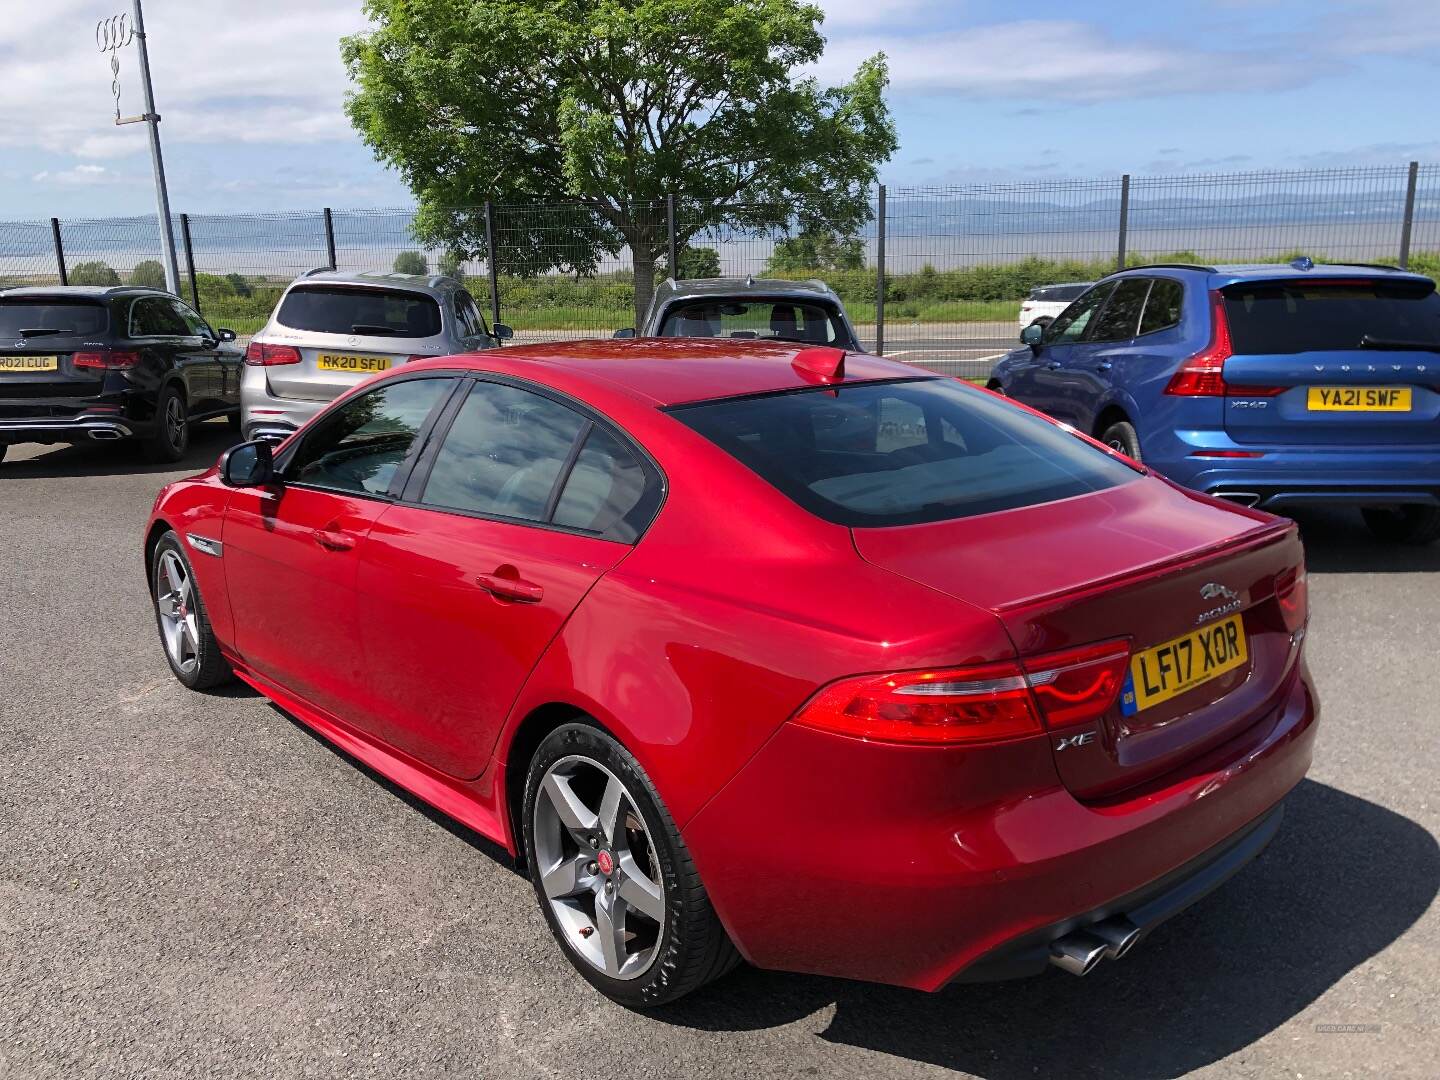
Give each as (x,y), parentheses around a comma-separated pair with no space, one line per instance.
(1264,534)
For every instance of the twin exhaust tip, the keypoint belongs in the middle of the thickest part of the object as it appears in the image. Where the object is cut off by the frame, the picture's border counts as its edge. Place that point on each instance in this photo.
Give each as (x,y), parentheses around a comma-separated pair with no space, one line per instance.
(1080,950)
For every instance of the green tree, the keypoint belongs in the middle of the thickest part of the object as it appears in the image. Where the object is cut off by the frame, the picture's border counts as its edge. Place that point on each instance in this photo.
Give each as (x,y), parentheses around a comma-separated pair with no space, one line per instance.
(817,250)
(411,262)
(695,262)
(451,263)
(147,272)
(239,283)
(93,273)
(610,105)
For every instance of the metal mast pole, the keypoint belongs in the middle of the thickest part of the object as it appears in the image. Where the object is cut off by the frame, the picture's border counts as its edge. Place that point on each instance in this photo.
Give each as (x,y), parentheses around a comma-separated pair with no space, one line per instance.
(162,197)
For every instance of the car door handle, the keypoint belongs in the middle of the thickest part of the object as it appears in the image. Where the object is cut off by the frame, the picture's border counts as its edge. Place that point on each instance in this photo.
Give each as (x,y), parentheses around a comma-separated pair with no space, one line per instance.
(334,539)
(1053,365)
(1104,365)
(510,588)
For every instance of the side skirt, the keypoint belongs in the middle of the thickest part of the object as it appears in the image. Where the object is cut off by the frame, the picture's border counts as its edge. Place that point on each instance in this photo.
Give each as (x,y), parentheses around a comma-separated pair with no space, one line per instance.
(453,798)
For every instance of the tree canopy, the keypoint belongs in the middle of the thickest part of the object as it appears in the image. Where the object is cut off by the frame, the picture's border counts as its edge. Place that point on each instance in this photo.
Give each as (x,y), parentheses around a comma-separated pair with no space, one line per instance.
(411,262)
(612,104)
(148,272)
(93,273)
(817,251)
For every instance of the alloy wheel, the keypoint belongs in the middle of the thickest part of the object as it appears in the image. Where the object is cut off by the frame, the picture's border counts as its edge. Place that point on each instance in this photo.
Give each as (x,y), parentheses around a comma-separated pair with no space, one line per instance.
(176,606)
(175,421)
(596,864)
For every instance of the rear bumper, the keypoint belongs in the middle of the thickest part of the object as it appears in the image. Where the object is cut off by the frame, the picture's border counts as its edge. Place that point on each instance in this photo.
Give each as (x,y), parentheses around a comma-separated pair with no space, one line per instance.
(66,429)
(1301,475)
(264,415)
(911,865)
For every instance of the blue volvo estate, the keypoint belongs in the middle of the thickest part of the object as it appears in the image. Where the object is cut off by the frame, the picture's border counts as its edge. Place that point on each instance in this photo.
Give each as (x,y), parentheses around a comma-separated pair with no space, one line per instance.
(1271,385)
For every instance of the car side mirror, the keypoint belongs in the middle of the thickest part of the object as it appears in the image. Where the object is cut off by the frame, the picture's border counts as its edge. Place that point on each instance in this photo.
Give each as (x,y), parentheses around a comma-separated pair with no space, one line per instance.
(225,335)
(250,464)
(503,332)
(628,332)
(1032,335)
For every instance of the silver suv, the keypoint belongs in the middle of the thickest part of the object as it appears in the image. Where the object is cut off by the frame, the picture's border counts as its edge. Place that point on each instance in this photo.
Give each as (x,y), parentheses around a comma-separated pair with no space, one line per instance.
(331,330)
(805,311)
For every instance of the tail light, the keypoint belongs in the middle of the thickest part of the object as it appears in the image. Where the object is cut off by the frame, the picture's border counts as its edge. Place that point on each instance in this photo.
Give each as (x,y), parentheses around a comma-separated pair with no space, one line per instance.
(1203,375)
(983,703)
(1078,685)
(259,355)
(106,359)
(1292,593)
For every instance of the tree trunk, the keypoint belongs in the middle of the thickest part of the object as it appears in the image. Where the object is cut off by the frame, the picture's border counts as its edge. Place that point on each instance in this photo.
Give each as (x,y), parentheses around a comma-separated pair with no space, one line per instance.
(644,258)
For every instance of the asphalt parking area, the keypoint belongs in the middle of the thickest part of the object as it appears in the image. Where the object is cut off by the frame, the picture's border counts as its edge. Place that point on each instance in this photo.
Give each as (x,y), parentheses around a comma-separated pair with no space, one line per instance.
(193,885)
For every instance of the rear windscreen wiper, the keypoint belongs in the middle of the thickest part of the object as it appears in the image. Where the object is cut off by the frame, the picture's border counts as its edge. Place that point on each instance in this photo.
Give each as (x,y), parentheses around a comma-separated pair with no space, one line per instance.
(373,329)
(1371,342)
(41,331)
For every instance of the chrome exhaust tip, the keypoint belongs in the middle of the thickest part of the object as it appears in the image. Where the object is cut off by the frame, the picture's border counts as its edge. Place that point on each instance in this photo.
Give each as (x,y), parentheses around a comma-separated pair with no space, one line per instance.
(1244,498)
(1119,934)
(1078,952)
(104,434)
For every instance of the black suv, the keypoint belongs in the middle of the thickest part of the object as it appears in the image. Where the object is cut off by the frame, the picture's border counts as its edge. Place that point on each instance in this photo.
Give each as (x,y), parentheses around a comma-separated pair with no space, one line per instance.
(80,363)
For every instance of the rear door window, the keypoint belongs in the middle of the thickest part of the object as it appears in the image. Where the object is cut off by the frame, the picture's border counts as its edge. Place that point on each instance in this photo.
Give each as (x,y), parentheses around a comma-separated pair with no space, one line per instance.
(1162,306)
(41,319)
(1070,325)
(902,453)
(1121,316)
(155,316)
(363,312)
(1314,316)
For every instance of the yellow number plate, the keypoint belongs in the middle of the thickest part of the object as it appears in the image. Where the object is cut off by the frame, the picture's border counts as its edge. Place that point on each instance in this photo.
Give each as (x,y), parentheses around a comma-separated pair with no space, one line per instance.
(363,365)
(29,363)
(1358,399)
(1166,671)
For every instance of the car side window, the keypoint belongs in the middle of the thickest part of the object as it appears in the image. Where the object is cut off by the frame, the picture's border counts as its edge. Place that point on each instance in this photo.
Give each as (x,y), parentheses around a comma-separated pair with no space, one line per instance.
(468,314)
(503,454)
(152,316)
(1162,308)
(1070,325)
(607,492)
(194,324)
(359,446)
(1122,314)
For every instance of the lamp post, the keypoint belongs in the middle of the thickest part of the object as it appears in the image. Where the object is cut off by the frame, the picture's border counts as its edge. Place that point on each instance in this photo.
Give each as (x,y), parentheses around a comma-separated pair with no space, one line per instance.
(112,35)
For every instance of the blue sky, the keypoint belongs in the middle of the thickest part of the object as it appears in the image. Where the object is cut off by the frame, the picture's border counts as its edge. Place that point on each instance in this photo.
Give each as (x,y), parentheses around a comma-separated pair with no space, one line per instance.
(983,90)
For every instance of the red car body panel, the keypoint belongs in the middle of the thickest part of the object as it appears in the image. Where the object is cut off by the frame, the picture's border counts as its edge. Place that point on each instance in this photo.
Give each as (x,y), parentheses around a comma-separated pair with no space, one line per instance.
(697,646)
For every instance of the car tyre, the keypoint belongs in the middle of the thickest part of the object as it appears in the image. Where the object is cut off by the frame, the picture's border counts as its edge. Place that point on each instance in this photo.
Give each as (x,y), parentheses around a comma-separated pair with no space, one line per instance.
(182,619)
(171,437)
(1407,524)
(1123,437)
(613,876)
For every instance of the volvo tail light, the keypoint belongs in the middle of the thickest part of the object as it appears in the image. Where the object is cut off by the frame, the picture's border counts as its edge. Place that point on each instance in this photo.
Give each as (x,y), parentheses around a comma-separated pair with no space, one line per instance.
(260,355)
(982,703)
(1203,375)
(106,359)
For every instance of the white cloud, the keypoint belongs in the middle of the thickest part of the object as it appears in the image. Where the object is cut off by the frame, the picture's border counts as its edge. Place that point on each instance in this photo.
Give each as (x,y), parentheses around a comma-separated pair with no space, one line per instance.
(257,71)
(1056,60)
(82,175)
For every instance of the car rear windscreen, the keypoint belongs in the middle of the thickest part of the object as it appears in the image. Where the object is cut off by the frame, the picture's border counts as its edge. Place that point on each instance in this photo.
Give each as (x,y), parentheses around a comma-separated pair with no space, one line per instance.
(1315,316)
(1057,293)
(362,312)
(782,320)
(39,319)
(904,452)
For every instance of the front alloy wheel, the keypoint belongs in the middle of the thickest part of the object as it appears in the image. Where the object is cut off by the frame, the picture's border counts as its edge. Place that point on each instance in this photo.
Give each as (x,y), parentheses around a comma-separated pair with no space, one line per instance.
(190,645)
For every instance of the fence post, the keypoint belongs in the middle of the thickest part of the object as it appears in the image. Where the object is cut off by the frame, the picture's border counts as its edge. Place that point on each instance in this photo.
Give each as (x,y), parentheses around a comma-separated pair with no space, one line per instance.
(674,236)
(490,262)
(880,272)
(1124,220)
(330,238)
(190,261)
(59,251)
(1409,219)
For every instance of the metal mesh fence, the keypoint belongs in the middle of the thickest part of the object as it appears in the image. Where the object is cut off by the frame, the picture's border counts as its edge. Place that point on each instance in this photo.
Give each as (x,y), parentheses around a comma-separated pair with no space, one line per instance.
(958,260)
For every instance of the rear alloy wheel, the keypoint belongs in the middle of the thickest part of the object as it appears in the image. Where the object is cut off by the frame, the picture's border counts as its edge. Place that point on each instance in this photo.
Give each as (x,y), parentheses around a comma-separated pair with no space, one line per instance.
(613,877)
(1121,436)
(190,645)
(171,437)
(1408,524)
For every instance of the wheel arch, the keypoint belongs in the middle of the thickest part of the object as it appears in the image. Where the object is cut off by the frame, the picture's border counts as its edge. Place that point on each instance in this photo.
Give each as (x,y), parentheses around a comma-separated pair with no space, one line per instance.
(1113,412)
(158,528)
(524,739)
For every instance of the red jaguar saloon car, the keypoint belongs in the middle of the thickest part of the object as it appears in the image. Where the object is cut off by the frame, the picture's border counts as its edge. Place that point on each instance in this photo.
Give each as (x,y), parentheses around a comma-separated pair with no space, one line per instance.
(758,651)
